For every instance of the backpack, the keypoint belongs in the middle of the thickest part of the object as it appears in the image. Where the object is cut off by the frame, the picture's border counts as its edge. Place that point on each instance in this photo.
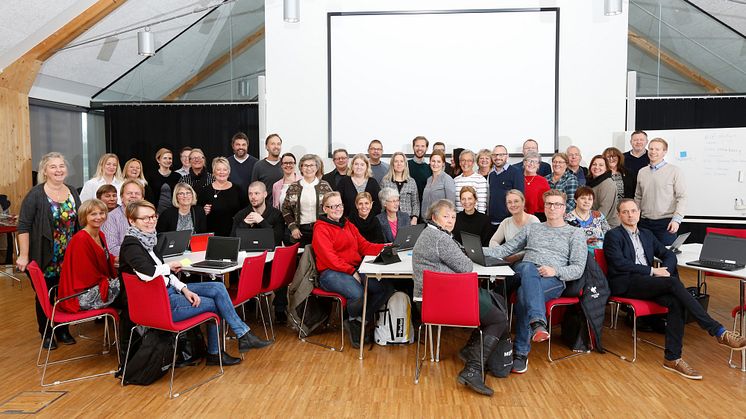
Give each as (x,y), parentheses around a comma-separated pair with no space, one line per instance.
(152,358)
(394,323)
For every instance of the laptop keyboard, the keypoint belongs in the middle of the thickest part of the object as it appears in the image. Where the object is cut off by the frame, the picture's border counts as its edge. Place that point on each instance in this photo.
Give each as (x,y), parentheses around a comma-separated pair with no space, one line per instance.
(214,264)
(712,264)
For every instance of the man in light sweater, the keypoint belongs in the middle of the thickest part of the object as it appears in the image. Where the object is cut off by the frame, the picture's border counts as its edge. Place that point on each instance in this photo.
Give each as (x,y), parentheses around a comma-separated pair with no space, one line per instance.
(555,253)
(469,177)
(379,168)
(661,194)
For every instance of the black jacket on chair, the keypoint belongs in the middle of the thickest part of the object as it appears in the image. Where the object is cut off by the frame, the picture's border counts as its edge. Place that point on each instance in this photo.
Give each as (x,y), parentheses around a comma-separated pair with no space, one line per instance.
(620,257)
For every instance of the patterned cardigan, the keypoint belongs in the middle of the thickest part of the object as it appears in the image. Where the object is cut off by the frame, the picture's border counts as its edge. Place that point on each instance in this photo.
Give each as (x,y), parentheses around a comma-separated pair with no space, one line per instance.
(290,209)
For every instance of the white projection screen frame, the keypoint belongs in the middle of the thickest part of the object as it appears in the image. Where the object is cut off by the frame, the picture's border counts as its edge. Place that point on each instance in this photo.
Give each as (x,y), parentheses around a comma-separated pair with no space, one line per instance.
(469,78)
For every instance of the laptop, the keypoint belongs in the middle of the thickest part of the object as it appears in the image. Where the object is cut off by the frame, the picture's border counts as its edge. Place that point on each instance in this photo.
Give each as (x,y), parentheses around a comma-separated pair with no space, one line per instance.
(726,253)
(675,246)
(407,236)
(222,253)
(173,243)
(256,239)
(473,246)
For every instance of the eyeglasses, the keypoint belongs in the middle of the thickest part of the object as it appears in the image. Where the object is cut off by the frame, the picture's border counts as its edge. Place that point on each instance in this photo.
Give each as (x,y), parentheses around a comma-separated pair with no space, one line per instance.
(499,154)
(532,162)
(334,207)
(559,162)
(196,158)
(288,163)
(611,157)
(556,205)
(150,218)
(308,166)
(375,149)
(341,158)
(187,193)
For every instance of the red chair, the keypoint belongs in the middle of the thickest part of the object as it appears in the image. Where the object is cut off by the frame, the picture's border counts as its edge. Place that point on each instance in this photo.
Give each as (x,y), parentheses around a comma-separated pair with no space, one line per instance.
(249,285)
(341,304)
(149,306)
(448,299)
(284,263)
(550,306)
(640,308)
(57,317)
(198,242)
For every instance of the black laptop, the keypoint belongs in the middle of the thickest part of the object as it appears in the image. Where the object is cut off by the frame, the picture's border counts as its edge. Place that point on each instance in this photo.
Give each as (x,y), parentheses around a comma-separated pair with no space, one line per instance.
(726,253)
(473,246)
(256,239)
(407,236)
(222,253)
(173,243)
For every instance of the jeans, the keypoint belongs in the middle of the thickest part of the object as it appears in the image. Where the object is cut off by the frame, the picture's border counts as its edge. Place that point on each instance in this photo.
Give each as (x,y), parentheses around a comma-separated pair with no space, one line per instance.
(659,228)
(531,296)
(213,298)
(669,292)
(347,285)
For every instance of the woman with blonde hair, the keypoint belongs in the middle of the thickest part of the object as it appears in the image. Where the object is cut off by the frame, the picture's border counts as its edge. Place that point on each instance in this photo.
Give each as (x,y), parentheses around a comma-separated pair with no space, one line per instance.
(221,199)
(163,180)
(184,213)
(398,177)
(133,171)
(359,179)
(107,173)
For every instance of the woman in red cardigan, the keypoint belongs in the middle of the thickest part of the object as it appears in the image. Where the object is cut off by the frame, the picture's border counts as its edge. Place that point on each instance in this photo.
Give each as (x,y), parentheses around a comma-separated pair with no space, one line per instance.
(339,249)
(535,185)
(88,267)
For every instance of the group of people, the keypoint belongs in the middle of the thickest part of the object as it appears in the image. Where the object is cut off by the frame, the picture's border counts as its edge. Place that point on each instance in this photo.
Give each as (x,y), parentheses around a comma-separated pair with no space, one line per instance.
(545,219)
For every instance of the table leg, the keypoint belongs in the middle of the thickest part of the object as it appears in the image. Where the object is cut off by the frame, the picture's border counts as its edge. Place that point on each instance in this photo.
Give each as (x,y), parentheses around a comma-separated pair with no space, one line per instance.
(700,278)
(365,305)
(741,327)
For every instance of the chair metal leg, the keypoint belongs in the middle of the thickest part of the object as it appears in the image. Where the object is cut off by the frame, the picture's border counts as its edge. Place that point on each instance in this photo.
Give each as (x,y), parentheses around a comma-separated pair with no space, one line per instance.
(549,341)
(171,394)
(437,352)
(634,338)
(269,316)
(419,361)
(261,314)
(735,329)
(304,338)
(481,352)
(432,352)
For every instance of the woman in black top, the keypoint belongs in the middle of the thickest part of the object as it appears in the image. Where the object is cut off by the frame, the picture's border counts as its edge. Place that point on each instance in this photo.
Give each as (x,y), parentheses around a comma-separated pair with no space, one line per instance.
(359,179)
(184,213)
(366,223)
(221,199)
(470,220)
(163,181)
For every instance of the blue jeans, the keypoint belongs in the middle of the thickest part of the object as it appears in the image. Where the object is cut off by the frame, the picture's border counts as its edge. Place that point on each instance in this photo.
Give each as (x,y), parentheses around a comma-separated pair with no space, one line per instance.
(213,298)
(347,285)
(534,291)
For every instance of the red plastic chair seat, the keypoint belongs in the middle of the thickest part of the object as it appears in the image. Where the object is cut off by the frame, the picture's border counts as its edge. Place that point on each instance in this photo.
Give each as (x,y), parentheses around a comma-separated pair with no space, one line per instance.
(192,321)
(562,301)
(66,317)
(642,307)
(322,293)
(8,229)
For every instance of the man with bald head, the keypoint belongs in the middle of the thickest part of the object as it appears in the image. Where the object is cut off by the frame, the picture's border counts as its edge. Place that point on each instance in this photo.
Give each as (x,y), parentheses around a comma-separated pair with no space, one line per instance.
(531,146)
(574,157)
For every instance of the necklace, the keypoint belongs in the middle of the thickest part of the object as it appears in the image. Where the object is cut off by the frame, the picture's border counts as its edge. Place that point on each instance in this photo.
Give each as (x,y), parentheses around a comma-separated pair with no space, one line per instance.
(528,182)
(577,214)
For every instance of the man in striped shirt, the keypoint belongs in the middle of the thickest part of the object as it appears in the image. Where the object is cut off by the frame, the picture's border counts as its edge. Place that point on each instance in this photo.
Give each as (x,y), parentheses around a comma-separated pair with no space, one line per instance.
(469,177)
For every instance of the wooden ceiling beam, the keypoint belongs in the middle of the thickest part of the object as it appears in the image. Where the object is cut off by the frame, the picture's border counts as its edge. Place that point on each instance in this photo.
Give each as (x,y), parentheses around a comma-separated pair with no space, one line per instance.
(673,63)
(216,64)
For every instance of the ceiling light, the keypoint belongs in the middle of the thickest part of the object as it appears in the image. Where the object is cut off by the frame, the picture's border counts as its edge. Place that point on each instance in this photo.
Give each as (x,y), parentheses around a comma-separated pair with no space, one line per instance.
(145,43)
(291,11)
(612,7)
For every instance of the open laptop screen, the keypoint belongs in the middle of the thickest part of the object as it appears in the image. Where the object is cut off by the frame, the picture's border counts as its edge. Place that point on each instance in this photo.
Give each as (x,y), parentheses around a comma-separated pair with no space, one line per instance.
(723,248)
(222,248)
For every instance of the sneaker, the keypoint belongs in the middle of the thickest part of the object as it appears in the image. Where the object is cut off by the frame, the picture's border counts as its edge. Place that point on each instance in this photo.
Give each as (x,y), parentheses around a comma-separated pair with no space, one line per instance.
(539,331)
(681,367)
(732,340)
(520,364)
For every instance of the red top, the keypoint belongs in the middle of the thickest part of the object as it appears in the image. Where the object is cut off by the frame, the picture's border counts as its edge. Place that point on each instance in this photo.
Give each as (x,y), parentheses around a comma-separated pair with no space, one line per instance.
(85,265)
(339,246)
(535,186)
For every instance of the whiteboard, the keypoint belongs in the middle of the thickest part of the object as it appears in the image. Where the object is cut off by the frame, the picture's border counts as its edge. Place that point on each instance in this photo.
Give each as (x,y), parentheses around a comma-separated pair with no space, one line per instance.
(714,165)
(454,76)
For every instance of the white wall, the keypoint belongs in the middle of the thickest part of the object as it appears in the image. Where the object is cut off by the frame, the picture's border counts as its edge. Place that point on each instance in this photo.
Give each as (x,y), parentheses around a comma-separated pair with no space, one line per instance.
(593,64)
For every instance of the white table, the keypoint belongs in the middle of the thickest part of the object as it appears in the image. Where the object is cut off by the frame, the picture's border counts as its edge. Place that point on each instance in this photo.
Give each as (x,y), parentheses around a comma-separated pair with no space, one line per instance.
(690,252)
(195,257)
(403,269)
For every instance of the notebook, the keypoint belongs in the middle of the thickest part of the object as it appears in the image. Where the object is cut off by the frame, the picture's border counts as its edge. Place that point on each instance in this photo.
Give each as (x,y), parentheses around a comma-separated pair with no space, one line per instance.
(473,246)
(173,243)
(726,253)
(407,236)
(256,239)
(222,253)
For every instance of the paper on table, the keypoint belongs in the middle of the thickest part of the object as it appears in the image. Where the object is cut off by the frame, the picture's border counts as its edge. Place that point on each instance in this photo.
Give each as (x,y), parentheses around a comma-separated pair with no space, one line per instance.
(185,262)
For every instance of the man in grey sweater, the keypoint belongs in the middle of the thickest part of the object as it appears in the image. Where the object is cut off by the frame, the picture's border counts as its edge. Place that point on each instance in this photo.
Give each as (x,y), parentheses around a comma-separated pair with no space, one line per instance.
(555,253)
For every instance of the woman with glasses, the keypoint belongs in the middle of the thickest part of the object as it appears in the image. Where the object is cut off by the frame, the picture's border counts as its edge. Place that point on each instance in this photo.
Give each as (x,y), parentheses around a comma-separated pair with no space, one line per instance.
(359,179)
(398,178)
(592,222)
(221,199)
(535,185)
(198,178)
(563,179)
(289,175)
(139,258)
(184,214)
(604,189)
(625,182)
(391,219)
(339,248)
(302,204)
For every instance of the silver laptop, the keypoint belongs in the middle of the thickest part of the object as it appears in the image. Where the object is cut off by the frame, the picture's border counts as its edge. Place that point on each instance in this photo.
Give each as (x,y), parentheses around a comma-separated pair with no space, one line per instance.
(222,253)
(676,245)
(473,246)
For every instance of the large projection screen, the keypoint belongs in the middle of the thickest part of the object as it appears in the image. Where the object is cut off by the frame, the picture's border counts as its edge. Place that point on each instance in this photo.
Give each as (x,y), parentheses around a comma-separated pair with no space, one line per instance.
(472,78)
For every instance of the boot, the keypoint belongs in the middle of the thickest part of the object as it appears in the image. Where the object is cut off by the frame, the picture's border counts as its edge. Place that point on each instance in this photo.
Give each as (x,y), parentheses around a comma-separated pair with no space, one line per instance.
(471,375)
(250,341)
(463,354)
(228,360)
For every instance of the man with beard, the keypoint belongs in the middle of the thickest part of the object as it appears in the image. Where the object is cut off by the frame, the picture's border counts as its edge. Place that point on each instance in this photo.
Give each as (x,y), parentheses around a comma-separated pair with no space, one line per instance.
(418,167)
(242,163)
(269,170)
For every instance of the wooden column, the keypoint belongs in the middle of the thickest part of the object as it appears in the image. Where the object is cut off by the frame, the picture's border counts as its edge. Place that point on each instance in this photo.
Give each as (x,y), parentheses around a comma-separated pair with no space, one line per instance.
(15,83)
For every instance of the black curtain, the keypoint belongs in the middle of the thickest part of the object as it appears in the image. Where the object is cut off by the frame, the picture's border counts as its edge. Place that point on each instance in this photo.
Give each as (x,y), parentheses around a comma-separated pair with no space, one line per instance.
(711,112)
(140,130)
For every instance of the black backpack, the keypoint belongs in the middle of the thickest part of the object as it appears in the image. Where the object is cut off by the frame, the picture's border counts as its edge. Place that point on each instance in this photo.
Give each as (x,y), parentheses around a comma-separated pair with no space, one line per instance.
(151,359)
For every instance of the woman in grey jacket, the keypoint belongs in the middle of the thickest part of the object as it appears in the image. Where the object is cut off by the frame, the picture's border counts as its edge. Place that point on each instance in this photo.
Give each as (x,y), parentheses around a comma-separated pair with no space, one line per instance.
(439,185)
(47,221)
(399,179)
(437,251)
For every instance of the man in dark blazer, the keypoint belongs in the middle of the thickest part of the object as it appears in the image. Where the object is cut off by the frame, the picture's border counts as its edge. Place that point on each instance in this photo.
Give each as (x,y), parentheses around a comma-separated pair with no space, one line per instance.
(629,253)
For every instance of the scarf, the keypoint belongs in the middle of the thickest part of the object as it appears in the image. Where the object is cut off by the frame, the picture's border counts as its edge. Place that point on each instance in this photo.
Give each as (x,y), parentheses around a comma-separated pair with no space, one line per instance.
(593,182)
(147,240)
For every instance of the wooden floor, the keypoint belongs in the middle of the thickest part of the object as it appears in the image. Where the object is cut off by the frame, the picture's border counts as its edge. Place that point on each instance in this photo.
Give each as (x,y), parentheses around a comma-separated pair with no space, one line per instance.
(295,379)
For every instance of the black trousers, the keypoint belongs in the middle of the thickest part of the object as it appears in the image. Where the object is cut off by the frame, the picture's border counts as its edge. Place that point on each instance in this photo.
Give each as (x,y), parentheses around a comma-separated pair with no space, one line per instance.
(671,293)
